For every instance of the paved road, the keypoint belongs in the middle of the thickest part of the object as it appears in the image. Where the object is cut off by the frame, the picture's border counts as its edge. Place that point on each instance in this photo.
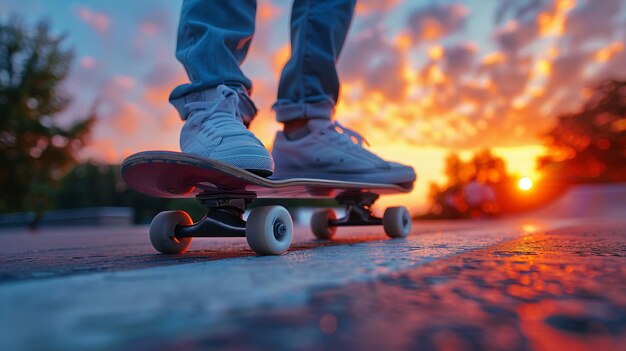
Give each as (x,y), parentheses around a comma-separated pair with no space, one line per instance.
(515,284)
(52,252)
(557,290)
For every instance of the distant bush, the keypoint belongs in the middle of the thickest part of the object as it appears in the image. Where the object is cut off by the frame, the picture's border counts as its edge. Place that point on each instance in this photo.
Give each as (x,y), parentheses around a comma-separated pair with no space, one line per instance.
(590,145)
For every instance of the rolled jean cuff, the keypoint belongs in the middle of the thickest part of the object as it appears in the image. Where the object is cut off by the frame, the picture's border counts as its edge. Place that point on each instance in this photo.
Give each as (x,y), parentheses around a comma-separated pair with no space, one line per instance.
(289,111)
(246,108)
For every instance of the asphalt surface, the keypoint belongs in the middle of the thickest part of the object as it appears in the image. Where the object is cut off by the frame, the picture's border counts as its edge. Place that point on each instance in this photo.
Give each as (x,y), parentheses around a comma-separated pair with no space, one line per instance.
(558,290)
(527,283)
(53,252)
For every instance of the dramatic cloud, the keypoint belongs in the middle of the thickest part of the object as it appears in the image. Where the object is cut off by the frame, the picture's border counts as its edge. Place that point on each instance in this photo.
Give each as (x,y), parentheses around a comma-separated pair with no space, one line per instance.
(115,107)
(594,20)
(267,11)
(615,64)
(267,29)
(466,98)
(459,59)
(165,75)
(158,85)
(518,9)
(371,60)
(126,118)
(364,7)
(451,74)
(437,21)
(516,35)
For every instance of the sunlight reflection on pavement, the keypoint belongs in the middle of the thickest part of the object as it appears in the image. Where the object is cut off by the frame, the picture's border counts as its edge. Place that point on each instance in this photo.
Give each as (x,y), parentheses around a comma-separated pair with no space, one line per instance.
(516,285)
(565,289)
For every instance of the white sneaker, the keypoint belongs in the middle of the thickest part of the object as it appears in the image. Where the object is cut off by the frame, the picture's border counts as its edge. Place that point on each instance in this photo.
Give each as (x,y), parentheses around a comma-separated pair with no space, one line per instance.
(331,151)
(215,130)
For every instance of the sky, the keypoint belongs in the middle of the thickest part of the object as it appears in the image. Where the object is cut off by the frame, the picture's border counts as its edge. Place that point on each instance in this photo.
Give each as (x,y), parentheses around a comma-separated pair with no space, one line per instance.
(420,78)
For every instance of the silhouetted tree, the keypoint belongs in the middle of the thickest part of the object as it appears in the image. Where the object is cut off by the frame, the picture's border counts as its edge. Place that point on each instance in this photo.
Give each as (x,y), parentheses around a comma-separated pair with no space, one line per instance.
(92,184)
(484,174)
(590,146)
(35,151)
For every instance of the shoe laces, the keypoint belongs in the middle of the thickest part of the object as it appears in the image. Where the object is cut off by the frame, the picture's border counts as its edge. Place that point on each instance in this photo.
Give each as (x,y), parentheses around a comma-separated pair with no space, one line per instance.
(220,114)
(344,134)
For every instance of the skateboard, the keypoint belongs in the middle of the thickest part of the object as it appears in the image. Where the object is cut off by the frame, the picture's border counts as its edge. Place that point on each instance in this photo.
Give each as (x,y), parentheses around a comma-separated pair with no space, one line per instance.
(227,191)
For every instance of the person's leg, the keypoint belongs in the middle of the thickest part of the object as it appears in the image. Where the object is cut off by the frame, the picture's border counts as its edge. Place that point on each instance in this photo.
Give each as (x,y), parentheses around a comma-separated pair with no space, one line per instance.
(311,145)
(213,40)
(212,43)
(309,84)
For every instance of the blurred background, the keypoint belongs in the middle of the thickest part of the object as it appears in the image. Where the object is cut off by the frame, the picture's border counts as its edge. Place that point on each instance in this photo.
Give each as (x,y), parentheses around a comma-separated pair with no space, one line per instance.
(500,106)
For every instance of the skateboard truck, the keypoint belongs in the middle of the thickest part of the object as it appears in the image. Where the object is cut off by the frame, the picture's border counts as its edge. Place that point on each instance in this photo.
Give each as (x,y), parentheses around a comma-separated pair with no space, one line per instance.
(358,210)
(396,221)
(234,199)
(224,216)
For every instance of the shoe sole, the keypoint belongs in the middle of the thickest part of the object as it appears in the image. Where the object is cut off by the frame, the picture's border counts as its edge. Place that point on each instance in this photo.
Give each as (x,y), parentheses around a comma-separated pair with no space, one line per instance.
(377,178)
(260,165)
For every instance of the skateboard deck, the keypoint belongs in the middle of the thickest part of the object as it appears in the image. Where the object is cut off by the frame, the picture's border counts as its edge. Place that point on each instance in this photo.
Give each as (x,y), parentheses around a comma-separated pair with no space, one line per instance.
(228,192)
(169,174)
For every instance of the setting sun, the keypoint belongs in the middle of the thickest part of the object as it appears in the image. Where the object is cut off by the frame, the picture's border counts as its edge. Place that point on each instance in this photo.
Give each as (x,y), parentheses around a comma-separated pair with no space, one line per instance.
(525,183)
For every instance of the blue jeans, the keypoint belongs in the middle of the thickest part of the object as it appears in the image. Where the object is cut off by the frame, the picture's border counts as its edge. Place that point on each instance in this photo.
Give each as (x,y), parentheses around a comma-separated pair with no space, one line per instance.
(213,40)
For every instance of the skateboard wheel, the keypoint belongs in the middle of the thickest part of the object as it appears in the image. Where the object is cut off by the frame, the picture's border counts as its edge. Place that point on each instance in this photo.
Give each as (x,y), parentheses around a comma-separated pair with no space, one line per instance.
(162,231)
(269,230)
(397,222)
(319,224)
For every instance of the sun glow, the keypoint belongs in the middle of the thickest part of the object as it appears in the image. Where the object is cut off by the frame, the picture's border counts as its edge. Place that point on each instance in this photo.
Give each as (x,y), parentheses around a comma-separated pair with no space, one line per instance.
(525,183)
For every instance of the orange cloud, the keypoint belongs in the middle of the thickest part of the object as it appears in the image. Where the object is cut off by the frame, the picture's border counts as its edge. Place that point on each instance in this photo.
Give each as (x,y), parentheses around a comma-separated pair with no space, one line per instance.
(364,7)
(280,57)
(553,22)
(606,53)
(493,58)
(435,75)
(544,67)
(403,41)
(431,29)
(126,119)
(157,96)
(394,89)
(373,60)
(437,21)
(268,11)
(102,150)
(436,52)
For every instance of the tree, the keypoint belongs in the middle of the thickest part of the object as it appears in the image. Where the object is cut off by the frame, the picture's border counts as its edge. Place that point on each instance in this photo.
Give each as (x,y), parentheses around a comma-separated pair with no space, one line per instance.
(590,146)
(92,184)
(484,172)
(35,151)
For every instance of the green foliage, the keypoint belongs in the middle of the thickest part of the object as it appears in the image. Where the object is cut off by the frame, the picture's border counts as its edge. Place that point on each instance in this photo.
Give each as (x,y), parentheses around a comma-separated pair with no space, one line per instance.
(590,146)
(35,151)
(97,185)
(91,185)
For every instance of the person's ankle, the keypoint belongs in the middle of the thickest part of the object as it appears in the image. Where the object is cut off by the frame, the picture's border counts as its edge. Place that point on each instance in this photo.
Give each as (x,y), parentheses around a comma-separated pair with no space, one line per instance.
(296,129)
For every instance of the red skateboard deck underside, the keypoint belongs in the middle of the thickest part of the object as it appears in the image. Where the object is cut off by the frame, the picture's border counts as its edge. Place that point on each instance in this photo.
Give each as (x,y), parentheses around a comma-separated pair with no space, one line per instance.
(170,174)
